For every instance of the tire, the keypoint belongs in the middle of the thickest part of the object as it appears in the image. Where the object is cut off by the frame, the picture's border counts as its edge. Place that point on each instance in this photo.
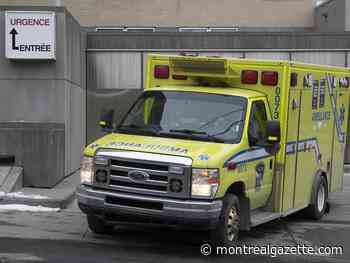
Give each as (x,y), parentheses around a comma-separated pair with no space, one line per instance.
(318,207)
(227,230)
(98,225)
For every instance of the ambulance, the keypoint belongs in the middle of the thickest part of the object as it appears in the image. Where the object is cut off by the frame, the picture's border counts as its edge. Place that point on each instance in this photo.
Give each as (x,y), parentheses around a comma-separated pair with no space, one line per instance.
(219,144)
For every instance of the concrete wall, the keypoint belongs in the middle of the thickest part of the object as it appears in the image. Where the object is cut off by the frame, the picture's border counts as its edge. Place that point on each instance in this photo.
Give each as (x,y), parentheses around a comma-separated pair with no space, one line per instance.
(197,41)
(261,13)
(347,15)
(38,147)
(46,94)
(332,16)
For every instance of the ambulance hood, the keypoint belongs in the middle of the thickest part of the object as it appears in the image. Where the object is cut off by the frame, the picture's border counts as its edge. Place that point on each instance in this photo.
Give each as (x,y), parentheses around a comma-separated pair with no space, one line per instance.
(202,153)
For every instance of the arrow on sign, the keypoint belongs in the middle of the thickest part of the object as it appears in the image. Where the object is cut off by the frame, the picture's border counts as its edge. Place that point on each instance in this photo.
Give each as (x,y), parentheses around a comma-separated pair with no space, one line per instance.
(14,33)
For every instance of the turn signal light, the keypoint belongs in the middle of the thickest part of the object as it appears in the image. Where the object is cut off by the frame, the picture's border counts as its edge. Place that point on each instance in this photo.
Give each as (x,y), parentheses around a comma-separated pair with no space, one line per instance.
(249,77)
(269,78)
(231,165)
(161,72)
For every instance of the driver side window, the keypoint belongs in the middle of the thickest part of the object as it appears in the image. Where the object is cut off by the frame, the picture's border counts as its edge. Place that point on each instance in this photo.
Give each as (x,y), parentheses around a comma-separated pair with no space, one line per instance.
(257,123)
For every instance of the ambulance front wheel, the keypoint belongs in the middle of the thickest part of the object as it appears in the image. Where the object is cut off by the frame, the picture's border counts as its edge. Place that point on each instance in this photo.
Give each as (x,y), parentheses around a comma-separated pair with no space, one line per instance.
(319,199)
(226,232)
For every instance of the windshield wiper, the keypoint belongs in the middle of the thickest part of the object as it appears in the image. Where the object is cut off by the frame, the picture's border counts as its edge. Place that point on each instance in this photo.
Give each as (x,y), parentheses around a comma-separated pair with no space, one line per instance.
(138,128)
(188,131)
(195,132)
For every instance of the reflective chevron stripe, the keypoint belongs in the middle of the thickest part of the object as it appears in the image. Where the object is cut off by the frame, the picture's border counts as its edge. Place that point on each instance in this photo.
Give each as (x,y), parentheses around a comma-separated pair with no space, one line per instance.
(253,154)
(331,86)
(303,146)
(257,153)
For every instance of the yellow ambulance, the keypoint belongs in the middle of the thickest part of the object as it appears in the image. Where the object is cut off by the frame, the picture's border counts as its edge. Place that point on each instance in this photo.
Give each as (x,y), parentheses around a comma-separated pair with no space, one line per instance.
(220,144)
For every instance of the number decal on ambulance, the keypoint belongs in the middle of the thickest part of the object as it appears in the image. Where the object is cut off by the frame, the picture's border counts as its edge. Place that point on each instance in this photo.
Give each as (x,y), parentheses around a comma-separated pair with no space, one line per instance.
(322,92)
(314,94)
(276,114)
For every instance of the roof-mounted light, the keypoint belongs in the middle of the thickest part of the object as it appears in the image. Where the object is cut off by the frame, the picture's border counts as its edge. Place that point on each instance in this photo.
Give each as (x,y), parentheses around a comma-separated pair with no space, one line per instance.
(249,77)
(161,71)
(269,78)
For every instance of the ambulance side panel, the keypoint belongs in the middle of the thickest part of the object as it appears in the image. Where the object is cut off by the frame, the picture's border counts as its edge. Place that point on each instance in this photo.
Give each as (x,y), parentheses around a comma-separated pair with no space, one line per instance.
(314,143)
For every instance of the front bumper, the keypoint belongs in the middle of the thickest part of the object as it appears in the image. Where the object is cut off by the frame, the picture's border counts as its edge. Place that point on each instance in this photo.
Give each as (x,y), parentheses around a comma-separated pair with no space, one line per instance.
(123,207)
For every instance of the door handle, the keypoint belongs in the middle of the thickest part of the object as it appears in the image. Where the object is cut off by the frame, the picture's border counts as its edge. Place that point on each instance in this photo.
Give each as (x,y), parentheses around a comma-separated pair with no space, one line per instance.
(295,104)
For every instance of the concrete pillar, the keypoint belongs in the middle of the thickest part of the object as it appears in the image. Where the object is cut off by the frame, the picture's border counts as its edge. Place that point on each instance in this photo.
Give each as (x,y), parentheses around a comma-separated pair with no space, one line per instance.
(42,104)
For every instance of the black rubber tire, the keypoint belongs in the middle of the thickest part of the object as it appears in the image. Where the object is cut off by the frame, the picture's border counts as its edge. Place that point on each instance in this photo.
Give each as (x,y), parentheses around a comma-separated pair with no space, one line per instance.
(312,211)
(219,235)
(98,225)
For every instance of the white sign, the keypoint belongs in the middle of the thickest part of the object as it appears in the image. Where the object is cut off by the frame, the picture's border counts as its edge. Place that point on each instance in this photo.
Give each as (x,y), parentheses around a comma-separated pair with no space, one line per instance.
(30,35)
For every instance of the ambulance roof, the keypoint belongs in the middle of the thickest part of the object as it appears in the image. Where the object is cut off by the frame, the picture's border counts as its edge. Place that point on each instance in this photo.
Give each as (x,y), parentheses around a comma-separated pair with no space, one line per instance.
(251,61)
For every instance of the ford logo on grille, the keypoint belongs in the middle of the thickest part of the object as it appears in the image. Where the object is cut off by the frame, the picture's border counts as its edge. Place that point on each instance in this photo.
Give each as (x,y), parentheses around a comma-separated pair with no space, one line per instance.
(138,175)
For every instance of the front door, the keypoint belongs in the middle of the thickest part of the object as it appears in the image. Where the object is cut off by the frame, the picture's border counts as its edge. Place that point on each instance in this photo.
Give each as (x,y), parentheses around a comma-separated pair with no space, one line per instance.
(261,168)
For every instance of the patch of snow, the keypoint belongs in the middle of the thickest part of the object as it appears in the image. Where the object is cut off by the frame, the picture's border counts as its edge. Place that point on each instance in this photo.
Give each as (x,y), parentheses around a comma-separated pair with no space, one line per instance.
(22,195)
(2,194)
(27,208)
(19,257)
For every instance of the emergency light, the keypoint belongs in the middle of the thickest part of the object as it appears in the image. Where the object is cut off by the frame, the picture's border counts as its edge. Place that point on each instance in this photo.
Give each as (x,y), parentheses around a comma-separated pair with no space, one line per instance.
(269,78)
(231,165)
(161,71)
(249,77)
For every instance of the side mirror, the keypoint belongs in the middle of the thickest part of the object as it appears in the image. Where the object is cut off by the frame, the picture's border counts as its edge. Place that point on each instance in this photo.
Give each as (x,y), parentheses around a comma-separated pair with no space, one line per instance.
(273,132)
(273,137)
(106,120)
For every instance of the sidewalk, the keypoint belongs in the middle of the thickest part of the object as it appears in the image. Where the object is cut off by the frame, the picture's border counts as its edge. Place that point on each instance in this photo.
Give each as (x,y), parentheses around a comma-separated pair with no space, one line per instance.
(340,205)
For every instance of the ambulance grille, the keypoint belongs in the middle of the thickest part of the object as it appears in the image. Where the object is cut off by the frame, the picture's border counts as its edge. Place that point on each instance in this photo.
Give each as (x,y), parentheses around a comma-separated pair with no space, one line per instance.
(157,180)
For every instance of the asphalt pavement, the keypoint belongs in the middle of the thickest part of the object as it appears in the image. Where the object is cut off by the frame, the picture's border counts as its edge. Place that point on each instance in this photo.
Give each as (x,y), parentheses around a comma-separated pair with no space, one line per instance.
(64,237)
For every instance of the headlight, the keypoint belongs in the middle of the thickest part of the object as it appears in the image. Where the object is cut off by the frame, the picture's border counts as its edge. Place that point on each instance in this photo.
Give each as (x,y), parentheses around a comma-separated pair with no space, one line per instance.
(205,182)
(87,170)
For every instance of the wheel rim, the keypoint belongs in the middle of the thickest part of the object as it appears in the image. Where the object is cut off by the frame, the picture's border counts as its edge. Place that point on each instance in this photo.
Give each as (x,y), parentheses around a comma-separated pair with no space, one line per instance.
(321,198)
(232,224)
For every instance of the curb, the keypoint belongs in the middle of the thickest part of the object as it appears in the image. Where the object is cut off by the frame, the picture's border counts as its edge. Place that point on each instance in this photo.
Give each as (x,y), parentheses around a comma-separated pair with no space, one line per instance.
(58,197)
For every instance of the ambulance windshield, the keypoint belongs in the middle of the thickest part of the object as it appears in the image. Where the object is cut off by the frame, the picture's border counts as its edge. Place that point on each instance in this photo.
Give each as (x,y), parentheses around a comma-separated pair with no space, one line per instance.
(188,115)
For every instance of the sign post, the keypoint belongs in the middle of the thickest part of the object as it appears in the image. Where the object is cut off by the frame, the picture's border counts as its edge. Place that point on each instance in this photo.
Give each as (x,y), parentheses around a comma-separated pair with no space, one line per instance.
(30,35)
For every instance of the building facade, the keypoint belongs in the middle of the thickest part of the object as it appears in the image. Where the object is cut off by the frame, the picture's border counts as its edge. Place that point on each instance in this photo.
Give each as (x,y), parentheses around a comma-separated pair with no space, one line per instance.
(244,13)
